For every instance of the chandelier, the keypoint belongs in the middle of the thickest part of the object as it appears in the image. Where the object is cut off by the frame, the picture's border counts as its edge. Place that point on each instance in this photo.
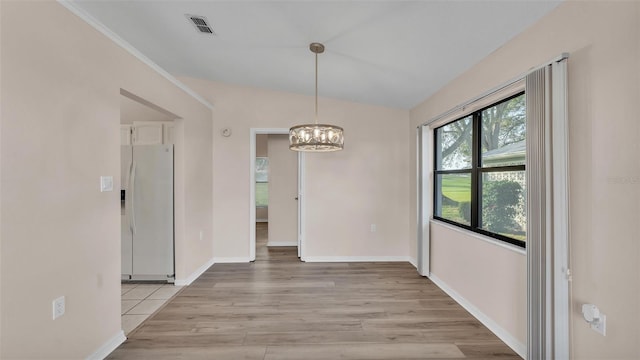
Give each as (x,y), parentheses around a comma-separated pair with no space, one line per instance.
(316,137)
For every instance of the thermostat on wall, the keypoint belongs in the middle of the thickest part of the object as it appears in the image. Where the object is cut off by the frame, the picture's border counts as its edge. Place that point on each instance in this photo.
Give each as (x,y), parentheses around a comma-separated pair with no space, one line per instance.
(226,132)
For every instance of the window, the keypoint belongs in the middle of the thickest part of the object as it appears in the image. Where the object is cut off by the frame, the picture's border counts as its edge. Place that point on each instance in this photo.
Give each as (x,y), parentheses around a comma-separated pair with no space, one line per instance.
(480,171)
(262,182)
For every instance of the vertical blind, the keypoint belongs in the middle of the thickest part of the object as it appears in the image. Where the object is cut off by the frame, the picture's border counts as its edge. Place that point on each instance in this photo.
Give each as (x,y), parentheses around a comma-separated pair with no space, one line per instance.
(536,174)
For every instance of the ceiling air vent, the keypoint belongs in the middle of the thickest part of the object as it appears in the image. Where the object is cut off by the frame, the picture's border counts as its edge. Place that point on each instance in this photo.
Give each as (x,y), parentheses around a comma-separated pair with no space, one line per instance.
(201,24)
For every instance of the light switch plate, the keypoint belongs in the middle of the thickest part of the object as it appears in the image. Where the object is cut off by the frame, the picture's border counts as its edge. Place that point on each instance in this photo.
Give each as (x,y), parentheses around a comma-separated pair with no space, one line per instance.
(106,183)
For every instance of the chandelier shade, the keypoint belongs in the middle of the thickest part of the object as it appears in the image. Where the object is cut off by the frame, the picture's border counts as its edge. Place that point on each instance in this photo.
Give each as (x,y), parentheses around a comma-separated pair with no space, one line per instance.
(316,137)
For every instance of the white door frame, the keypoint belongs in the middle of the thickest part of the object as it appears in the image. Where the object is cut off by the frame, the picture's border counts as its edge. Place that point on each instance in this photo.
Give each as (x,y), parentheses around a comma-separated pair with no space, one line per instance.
(252,190)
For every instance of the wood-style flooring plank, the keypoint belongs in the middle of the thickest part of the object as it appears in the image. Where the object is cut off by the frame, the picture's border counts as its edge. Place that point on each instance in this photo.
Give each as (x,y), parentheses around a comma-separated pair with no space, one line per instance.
(191,353)
(317,326)
(281,308)
(334,337)
(488,350)
(289,283)
(364,352)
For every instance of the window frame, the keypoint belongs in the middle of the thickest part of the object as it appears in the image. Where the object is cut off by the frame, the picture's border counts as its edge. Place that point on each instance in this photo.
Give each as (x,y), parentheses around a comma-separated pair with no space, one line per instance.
(476,171)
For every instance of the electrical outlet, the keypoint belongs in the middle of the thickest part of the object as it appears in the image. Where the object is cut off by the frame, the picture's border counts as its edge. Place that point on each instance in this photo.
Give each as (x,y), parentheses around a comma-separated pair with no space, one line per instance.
(373,228)
(200,235)
(58,307)
(597,320)
(600,326)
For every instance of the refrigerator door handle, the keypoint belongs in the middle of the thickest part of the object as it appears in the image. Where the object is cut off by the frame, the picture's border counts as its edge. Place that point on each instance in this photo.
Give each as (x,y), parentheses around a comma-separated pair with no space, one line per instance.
(131,195)
(127,198)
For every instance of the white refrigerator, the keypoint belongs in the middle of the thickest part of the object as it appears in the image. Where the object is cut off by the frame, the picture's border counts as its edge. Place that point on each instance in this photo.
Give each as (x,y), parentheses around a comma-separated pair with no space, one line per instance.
(147,213)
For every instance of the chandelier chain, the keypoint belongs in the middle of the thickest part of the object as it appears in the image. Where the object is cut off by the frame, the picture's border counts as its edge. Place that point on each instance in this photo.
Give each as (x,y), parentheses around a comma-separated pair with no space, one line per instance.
(316,88)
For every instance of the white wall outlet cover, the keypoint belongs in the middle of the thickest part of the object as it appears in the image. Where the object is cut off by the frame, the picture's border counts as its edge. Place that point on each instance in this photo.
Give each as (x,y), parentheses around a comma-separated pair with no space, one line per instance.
(600,326)
(58,307)
(106,183)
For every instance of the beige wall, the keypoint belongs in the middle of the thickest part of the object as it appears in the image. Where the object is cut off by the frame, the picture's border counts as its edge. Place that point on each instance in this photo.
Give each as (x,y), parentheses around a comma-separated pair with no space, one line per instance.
(603,39)
(60,96)
(283,190)
(346,191)
(262,145)
(494,278)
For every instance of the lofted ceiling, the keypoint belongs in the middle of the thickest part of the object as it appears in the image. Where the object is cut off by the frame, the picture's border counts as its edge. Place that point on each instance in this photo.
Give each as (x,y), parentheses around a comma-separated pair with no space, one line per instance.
(389,53)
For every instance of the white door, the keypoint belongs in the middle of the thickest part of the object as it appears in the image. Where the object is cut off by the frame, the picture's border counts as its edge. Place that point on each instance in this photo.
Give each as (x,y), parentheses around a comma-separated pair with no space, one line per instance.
(300,199)
(147,134)
(283,191)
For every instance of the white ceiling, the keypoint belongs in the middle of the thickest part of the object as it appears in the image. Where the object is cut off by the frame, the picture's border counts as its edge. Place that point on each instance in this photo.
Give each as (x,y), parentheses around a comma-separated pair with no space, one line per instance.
(390,53)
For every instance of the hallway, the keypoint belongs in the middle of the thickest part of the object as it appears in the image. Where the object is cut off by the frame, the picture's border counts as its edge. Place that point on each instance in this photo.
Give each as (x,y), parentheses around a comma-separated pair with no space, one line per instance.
(281,308)
(277,253)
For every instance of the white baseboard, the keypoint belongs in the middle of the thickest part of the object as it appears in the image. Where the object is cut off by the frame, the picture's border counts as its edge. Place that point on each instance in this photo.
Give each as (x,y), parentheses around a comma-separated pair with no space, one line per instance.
(413,262)
(510,340)
(108,347)
(282,243)
(231,260)
(196,274)
(356,259)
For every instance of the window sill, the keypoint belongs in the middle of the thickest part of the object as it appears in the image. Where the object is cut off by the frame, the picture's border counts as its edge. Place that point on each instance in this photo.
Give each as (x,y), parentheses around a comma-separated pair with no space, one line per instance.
(478,236)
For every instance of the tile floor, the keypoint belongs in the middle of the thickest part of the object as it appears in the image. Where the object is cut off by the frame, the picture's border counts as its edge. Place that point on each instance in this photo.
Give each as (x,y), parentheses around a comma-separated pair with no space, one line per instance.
(139,301)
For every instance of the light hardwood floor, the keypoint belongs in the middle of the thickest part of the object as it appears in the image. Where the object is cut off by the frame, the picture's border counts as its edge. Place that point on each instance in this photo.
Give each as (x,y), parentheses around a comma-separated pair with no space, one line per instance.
(280,308)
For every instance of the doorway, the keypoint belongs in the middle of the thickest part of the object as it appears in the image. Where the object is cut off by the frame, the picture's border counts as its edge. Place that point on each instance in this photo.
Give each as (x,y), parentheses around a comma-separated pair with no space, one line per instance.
(276,189)
(147,137)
